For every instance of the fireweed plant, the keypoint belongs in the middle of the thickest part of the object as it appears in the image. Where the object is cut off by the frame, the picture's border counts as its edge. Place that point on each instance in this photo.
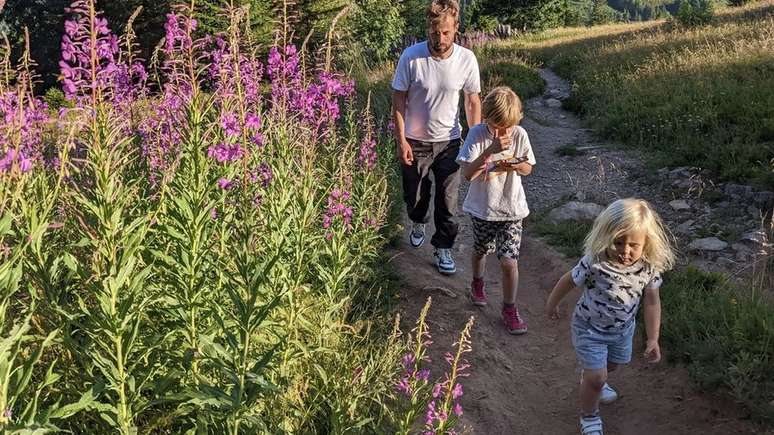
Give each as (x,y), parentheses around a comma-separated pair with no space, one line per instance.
(191,247)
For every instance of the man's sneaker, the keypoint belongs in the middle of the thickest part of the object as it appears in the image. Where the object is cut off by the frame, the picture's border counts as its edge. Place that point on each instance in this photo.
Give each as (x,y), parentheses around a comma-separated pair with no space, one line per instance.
(477,293)
(608,395)
(513,322)
(444,261)
(591,425)
(417,235)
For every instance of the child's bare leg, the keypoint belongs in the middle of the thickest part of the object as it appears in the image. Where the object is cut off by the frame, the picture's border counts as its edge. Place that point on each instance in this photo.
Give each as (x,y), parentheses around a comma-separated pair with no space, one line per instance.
(591,388)
(510,270)
(611,366)
(479,265)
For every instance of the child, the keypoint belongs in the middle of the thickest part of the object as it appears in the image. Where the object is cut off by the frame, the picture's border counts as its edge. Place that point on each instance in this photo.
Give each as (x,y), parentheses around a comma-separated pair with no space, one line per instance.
(625,253)
(494,157)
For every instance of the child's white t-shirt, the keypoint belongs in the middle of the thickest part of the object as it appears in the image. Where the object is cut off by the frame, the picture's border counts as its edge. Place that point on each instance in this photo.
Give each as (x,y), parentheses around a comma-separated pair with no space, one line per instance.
(611,292)
(495,195)
(434,85)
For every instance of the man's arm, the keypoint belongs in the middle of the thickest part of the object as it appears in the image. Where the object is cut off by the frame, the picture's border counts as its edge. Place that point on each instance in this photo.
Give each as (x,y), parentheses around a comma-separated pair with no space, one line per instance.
(399,118)
(473,109)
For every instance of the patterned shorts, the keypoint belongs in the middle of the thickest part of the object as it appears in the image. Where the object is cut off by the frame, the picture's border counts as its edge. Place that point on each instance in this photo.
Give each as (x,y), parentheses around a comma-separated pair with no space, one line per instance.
(503,237)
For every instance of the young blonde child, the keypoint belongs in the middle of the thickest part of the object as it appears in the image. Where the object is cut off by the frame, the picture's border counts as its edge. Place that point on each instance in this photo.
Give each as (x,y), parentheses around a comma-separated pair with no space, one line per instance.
(494,157)
(625,253)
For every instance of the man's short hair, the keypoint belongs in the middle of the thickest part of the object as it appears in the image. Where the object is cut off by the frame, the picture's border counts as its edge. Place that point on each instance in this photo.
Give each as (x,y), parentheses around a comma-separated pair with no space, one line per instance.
(437,10)
(502,107)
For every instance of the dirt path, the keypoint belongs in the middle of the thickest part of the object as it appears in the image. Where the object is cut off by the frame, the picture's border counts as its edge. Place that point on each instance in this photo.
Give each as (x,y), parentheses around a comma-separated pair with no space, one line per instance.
(528,384)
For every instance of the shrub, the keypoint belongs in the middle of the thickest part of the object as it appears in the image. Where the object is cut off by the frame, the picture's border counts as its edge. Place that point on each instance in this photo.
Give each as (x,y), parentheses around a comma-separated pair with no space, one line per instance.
(693,13)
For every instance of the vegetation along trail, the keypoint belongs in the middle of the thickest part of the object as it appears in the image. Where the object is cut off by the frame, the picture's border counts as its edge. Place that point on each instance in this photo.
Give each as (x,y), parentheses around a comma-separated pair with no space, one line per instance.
(528,384)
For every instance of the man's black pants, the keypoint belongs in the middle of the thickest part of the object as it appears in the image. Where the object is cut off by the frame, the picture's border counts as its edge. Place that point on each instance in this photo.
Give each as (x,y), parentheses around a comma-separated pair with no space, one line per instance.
(440,158)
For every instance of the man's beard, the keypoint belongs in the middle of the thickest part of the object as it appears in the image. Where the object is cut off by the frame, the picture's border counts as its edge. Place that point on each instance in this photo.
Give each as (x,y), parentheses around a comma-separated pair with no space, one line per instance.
(440,48)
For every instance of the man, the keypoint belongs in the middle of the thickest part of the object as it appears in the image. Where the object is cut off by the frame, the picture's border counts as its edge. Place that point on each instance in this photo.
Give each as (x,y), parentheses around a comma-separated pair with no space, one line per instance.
(425,108)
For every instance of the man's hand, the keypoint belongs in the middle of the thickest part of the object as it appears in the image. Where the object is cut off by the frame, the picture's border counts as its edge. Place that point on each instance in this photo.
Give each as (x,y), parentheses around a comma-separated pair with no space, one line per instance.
(653,351)
(405,154)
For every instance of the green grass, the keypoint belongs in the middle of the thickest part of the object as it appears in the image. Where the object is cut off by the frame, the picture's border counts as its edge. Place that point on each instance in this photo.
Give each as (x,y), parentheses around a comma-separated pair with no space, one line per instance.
(724,334)
(501,66)
(566,237)
(568,150)
(699,97)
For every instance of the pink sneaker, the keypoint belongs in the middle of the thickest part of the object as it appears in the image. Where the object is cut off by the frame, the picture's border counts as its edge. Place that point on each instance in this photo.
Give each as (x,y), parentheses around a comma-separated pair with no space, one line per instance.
(477,293)
(513,322)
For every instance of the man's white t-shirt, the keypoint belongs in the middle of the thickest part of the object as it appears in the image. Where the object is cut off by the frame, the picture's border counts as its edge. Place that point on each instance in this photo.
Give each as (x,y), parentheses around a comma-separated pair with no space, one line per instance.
(495,195)
(433,85)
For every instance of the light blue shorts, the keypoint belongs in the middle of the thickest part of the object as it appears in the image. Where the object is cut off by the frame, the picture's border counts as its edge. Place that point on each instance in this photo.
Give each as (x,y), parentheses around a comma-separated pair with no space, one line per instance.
(596,348)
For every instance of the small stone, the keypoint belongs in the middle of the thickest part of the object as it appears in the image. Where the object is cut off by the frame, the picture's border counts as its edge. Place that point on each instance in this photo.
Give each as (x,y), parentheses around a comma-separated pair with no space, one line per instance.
(682,183)
(555,91)
(575,211)
(663,172)
(553,102)
(763,200)
(755,238)
(562,117)
(681,172)
(708,244)
(685,228)
(737,190)
(679,205)
(740,247)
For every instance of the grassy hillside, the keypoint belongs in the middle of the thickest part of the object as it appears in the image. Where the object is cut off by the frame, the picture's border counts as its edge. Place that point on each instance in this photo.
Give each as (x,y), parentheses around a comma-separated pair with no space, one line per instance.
(701,97)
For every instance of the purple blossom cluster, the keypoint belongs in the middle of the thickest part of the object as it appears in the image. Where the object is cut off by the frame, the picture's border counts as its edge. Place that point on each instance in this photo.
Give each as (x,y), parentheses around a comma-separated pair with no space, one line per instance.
(448,391)
(91,68)
(476,39)
(367,155)
(231,70)
(160,131)
(284,73)
(337,207)
(317,104)
(21,131)
(225,152)
(411,375)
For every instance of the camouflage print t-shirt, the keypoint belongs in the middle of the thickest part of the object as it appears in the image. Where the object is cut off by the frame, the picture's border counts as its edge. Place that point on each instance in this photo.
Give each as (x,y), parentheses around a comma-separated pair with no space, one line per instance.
(611,291)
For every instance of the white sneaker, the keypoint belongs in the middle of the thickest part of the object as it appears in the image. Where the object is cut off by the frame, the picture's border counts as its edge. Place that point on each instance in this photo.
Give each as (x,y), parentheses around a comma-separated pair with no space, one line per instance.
(444,261)
(417,235)
(609,395)
(591,425)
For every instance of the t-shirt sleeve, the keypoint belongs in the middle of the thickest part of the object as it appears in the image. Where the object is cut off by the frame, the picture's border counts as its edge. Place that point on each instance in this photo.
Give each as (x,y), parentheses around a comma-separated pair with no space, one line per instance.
(472,83)
(581,271)
(524,147)
(401,80)
(471,149)
(655,282)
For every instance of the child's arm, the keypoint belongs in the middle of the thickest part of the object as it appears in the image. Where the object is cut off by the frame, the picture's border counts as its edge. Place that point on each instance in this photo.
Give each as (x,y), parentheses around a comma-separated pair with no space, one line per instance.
(652,323)
(562,287)
(475,168)
(522,168)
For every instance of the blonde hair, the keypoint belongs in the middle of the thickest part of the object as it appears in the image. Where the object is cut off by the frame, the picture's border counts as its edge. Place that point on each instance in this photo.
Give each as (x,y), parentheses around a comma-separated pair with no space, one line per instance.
(502,107)
(626,215)
(437,10)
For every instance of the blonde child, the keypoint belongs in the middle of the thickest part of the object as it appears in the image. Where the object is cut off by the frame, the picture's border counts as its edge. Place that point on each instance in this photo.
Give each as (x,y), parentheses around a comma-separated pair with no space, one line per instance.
(494,157)
(625,253)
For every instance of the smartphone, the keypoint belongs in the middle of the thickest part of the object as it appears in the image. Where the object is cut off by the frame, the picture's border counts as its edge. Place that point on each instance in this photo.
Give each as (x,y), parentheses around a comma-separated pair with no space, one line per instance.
(516,160)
